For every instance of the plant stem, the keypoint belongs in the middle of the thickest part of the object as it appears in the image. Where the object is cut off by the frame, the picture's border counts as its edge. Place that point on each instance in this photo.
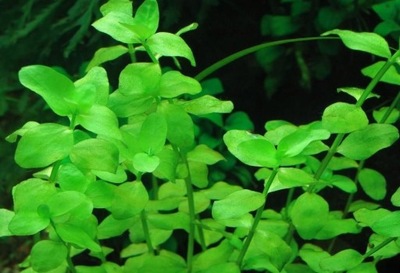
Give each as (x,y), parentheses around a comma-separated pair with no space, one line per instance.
(146,232)
(131,51)
(377,78)
(237,55)
(257,219)
(390,109)
(54,171)
(192,215)
(150,53)
(359,103)
(378,247)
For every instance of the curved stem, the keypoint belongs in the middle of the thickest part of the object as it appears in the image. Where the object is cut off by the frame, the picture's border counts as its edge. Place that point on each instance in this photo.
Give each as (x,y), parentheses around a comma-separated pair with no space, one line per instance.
(237,55)
(257,219)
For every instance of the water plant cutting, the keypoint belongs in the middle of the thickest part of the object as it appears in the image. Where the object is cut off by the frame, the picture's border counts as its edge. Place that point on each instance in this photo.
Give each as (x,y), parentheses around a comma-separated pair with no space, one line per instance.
(129,179)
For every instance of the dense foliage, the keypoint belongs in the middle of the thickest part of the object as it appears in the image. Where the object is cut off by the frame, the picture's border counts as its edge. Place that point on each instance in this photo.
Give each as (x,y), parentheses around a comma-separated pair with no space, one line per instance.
(149,171)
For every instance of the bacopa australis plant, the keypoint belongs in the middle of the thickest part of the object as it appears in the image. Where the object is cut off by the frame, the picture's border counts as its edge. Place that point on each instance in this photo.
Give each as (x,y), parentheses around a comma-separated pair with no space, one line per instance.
(124,179)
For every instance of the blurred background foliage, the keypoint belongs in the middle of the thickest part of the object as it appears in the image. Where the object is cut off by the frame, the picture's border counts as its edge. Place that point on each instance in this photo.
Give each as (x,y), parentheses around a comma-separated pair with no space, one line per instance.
(275,83)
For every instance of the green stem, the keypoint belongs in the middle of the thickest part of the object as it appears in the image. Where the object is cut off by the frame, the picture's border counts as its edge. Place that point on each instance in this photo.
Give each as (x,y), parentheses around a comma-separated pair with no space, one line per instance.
(256,221)
(54,171)
(377,78)
(150,53)
(71,267)
(201,233)
(146,232)
(328,157)
(378,247)
(359,103)
(132,53)
(192,214)
(237,55)
(390,109)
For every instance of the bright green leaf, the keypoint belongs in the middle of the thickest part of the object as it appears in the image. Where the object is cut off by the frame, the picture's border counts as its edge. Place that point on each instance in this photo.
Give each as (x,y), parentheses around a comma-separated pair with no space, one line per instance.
(28,223)
(47,255)
(237,204)
(146,18)
(342,117)
(220,190)
(145,163)
(356,92)
(5,218)
(180,125)
(373,183)
(278,252)
(174,83)
(213,256)
(51,85)
(111,227)
(168,44)
(369,267)
(381,113)
(313,255)
(115,24)
(126,106)
(292,177)
(106,54)
(395,199)
(129,200)
(363,41)
(260,152)
(335,227)
(309,214)
(153,134)
(100,120)
(77,235)
(391,76)
(139,79)
(170,221)
(101,194)
(368,217)
(202,153)
(198,174)
(30,194)
(97,77)
(364,143)
(43,145)
(122,6)
(69,177)
(207,105)
(342,261)
(344,183)
(69,203)
(388,225)
(294,143)
(118,177)
(95,154)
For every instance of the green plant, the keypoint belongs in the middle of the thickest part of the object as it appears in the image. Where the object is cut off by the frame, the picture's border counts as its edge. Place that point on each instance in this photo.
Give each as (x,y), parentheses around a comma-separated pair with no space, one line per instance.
(124,178)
